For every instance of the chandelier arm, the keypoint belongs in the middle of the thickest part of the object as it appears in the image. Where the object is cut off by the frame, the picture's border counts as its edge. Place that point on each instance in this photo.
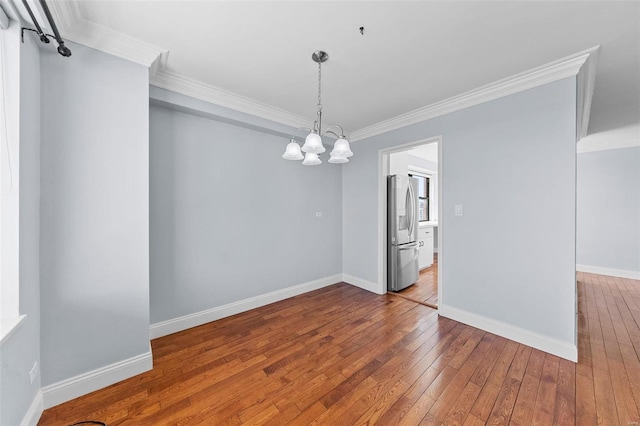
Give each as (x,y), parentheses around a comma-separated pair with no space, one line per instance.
(333,133)
(299,129)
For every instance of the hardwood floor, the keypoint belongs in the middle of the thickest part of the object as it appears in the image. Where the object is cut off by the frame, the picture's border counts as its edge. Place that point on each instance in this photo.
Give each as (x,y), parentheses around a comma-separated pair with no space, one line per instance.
(343,356)
(425,290)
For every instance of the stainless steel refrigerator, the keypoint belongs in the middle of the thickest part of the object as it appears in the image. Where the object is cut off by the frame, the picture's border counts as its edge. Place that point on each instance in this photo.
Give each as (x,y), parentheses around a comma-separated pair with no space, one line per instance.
(402,232)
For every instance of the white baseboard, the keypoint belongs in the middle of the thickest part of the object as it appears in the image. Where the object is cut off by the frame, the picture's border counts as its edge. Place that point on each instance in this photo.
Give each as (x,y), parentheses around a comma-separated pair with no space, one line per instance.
(634,275)
(83,384)
(33,414)
(544,343)
(363,284)
(193,320)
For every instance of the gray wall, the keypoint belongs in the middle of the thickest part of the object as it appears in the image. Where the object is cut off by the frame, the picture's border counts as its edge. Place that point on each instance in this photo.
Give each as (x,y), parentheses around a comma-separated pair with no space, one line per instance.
(230,219)
(608,232)
(511,164)
(94,212)
(22,349)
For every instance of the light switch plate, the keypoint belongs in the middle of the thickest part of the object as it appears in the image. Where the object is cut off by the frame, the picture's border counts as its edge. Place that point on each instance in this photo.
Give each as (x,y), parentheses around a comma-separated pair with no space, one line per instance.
(458,210)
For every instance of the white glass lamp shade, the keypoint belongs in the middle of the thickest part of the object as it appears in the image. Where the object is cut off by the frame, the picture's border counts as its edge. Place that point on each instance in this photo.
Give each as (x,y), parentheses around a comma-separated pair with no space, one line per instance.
(311,159)
(338,160)
(313,144)
(292,152)
(341,148)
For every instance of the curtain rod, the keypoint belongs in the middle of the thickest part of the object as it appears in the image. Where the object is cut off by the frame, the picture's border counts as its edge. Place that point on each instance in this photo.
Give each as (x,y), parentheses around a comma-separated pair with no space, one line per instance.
(62,49)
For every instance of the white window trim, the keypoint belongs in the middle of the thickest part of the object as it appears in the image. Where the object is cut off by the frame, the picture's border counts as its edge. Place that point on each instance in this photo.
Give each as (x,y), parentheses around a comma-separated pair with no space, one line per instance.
(10,318)
(9,326)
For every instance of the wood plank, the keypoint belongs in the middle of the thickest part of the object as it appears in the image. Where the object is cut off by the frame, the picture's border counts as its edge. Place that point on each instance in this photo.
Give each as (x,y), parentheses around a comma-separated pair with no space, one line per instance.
(309,415)
(340,408)
(503,407)
(380,402)
(417,411)
(585,401)
(632,366)
(450,400)
(263,416)
(462,406)
(605,401)
(565,413)
(544,408)
(485,401)
(483,371)
(414,396)
(525,402)
(472,420)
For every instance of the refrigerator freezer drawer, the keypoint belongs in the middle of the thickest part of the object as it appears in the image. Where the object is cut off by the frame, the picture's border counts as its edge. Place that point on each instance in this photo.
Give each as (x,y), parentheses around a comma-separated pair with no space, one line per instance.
(403,266)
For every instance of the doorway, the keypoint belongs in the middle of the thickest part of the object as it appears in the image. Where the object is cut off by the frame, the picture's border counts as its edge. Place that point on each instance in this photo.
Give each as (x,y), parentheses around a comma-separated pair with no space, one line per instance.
(423,160)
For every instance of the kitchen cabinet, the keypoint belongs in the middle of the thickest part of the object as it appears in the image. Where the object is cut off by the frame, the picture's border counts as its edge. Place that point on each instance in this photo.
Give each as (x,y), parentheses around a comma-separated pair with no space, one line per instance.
(425,247)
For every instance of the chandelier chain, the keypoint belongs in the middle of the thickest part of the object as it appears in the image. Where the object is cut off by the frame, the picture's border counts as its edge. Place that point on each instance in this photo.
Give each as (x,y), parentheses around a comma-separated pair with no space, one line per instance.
(319,85)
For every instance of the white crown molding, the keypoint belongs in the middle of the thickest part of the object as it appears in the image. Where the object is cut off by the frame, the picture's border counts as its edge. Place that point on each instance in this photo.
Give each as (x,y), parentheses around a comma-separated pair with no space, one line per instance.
(553,71)
(585,86)
(65,13)
(206,92)
(75,27)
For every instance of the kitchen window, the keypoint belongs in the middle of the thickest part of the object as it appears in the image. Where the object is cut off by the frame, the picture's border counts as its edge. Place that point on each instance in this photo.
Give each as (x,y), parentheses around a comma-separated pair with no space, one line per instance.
(423,196)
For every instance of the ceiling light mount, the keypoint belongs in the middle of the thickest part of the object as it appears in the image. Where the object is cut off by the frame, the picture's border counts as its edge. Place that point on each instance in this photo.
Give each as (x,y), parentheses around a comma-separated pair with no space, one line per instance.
(319,56)
(313,142)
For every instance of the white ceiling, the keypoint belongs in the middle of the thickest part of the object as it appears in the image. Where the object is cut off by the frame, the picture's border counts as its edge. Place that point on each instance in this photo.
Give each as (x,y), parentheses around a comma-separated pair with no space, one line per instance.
(412,53)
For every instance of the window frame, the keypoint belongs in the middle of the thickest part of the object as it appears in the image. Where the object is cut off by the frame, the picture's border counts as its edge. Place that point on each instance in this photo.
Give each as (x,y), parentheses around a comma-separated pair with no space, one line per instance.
(10,45)
(427,177)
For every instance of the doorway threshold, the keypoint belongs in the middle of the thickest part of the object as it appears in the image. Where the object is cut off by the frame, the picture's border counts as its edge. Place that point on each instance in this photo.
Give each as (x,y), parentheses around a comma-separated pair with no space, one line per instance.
(427,304)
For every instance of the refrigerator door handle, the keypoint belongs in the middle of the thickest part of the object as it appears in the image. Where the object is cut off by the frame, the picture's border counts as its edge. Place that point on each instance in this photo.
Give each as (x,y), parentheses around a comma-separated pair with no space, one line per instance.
(407,203)
(414,199)
(411,208)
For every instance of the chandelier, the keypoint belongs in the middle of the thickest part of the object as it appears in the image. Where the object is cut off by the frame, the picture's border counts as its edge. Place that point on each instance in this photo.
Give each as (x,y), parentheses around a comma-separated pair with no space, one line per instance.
(313,142)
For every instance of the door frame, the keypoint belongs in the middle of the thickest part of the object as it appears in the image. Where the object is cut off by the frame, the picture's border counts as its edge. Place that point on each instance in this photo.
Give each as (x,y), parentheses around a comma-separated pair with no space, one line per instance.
(383,171)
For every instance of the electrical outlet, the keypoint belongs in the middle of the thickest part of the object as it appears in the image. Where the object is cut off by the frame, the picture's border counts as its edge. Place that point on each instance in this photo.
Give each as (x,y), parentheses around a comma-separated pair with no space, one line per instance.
(318,214)
(33,373)
(458,210)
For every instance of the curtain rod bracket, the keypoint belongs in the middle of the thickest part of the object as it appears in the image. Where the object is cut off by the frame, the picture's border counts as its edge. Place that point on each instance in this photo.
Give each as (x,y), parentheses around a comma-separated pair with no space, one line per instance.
(62,49)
